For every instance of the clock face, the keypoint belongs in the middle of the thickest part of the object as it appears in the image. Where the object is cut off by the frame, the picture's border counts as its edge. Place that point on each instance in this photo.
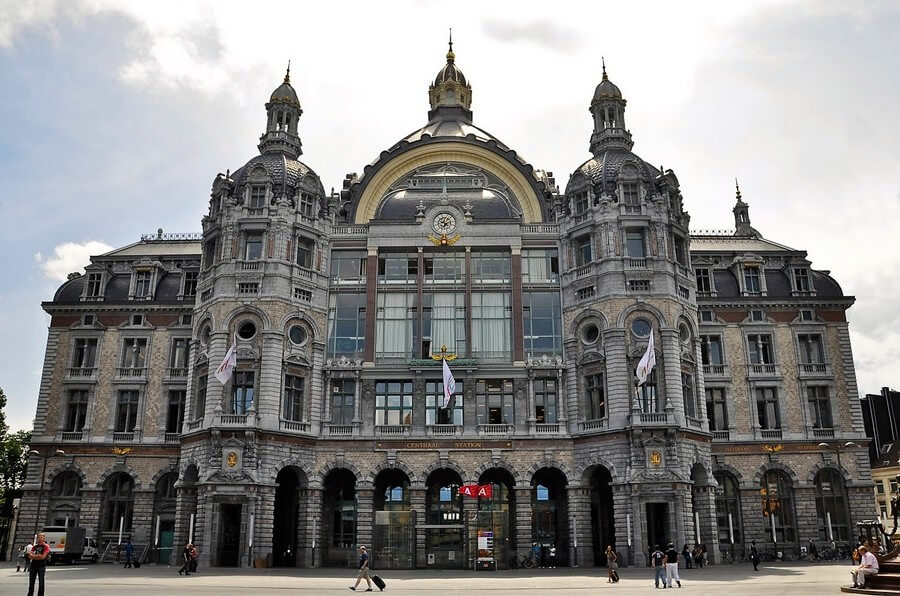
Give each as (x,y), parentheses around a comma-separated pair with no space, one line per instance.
(444,223)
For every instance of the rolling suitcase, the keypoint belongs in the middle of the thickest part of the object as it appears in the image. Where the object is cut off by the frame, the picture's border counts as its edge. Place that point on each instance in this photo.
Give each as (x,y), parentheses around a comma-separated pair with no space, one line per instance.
(137,564)
(615,576)
(378,582)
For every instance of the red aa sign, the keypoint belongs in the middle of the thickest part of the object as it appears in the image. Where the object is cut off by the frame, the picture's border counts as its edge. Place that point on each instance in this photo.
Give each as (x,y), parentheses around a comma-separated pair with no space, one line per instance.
(474,490)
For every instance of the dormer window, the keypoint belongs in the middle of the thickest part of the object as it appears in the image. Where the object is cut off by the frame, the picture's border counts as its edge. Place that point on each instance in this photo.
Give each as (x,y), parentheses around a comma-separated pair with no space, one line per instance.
(704,282)
(190,283)
(752,284)
(581,202)
(94,285)
(143,285)
(257,199)
(306,205)
(631,196)
(801,280)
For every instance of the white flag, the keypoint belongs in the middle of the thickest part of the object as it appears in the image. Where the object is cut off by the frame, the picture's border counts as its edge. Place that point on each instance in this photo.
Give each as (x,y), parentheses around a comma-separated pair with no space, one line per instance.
(648,361)
(449,384)
(223,373)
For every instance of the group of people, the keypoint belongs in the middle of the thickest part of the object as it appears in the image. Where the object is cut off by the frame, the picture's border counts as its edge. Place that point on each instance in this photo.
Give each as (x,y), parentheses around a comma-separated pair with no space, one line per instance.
(189,557)
(665,566)
(543,556)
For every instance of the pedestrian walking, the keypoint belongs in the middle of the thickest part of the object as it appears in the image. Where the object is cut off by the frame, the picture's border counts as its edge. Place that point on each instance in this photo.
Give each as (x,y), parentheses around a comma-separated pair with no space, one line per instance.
(868,565)
(363,570)
(38,555)
(129,553)
(672,566)
(185,560)
(552,556)
(688,559)
(658,563)
(612,565)
(20,559)
(28,548)
(813,551)
(754,556)
(195,558)
(536,553)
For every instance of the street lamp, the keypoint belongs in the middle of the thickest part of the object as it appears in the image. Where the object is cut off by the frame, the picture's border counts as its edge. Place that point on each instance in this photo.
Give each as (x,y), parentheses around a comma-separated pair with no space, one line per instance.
(838,449)
(45,457)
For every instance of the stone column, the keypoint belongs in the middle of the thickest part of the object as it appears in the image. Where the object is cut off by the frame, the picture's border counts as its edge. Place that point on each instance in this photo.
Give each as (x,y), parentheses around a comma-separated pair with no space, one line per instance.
(312,513)
(670,345)
(469,512)
(264,511)
(580,553)
(620,391)
(185,505)
(268,396)
(522,521)
(365,516)
(417,504)
(142,518)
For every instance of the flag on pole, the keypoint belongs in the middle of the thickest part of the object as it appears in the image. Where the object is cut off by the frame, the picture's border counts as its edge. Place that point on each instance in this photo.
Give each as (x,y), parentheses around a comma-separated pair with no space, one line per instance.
(223,373)
(648,361)
(449,384)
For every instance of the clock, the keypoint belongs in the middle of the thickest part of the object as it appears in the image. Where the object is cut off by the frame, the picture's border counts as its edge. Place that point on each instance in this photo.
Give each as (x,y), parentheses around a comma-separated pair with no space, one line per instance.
(444,223)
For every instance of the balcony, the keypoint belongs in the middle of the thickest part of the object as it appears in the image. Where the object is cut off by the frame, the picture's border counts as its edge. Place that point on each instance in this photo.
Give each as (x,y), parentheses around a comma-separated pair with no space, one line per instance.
(398,430)
(129,372)
(339,430)
(715,370)
(171,437)
(233,419)
(178,372)
(721,435)
(494,430)
(82,372)
(542,428)
(443,430)
(552,229)
(123,437)
(635,263)
(584,270)
(194,424)
(593,425)
(72,436)
(250,265)
(653,418)
(294,426)
(823,433)
(349,230)
(770,433)
(580,218)
(815,369)
(762,370)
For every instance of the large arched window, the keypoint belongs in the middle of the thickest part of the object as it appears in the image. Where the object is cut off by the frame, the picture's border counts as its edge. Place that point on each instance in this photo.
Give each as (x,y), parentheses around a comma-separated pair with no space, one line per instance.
(778,504)
(118,502)
(728,506)
(65,500)
(831,506)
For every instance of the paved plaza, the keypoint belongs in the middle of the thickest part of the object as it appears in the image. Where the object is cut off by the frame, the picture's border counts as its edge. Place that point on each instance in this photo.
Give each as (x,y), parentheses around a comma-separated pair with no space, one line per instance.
(105,579)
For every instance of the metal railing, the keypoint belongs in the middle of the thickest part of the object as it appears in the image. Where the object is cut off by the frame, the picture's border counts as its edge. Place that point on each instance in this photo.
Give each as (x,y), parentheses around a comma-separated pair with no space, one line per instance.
(72,436)
(123,437)
(171,437)
(823,433)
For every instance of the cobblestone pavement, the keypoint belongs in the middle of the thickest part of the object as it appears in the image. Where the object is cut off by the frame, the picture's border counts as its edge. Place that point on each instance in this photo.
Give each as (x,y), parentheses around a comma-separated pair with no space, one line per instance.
(111,580)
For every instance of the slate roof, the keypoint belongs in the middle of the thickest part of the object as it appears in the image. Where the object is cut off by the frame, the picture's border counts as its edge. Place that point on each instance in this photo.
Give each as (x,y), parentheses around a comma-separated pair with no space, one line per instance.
(603,169)
(286,173)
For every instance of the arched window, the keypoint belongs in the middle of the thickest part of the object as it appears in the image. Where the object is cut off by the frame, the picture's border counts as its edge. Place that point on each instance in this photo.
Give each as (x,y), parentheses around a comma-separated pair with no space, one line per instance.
(65,500)
(118,502)
(728,504)
(67,484)
(778,504)
(831,506)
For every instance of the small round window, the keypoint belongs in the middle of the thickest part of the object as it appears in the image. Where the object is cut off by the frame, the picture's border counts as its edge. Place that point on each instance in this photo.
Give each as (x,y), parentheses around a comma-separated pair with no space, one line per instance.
(590,333)
(204,335)
(640,327)
(297,334)
(684,333)
(247,330)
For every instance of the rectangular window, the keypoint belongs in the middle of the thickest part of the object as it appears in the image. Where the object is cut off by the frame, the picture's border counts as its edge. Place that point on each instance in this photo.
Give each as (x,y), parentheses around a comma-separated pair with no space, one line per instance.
(76,411)
(343,395)
(542,319)
(241,392)
(811,349)
(443,323)
(584,293)
(445,268)
(491,324)
(807,315)
(253,246)
(126,411)
(94,284)
(394,324)
(707,316)
(681,252)
(248,287)
(348,266)
(293,398)
(711,351)
(767,412)
(581,203)
(751,280)
(85,353)
(634,243)
(801,279)
(630,195)
(717,408)
(134,352)
(545,392)
(210,252)
(583,252)
(398,268)
(307,202)
(687,392)
(540,266)
(257,199)
(490,267)
(305,250)
(819,403)
(175,412)
(393,403)
(142,281)
(494,401)
(760,349)
(648,393)
(595,396)
(200,397)
(178,357)
(190,282)
(435,412)
(704,281)
(639,285)
(346,325)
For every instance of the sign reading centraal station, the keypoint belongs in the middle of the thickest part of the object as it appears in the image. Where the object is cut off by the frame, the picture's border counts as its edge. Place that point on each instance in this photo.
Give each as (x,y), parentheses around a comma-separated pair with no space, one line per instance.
(443,445)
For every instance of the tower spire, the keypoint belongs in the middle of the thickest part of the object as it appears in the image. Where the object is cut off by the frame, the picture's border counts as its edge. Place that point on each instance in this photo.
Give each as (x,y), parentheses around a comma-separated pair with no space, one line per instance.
(737,191)
(287,75)
(450,55)
(741,212)
(603,62)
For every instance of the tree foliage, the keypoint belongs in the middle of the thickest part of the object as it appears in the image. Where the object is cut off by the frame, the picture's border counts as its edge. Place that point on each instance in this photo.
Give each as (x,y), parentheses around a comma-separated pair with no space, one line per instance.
(13,461)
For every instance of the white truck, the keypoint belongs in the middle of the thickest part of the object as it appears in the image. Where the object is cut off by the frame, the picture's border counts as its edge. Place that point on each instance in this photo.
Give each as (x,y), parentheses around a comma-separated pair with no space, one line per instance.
(68,545)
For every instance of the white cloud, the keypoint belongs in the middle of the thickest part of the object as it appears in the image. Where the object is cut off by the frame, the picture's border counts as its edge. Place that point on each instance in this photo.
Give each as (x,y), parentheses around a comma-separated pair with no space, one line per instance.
(70,257)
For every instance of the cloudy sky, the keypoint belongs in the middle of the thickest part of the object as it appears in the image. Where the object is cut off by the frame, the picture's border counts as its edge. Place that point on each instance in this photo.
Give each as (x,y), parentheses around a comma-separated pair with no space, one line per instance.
(116,116)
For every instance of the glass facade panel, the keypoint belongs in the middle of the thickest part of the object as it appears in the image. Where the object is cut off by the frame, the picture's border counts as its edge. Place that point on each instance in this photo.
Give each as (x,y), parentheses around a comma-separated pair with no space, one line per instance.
(542,319)
(346,325)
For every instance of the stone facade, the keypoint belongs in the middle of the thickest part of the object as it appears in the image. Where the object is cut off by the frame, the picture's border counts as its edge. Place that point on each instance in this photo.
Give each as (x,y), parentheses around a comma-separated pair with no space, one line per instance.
(332,429)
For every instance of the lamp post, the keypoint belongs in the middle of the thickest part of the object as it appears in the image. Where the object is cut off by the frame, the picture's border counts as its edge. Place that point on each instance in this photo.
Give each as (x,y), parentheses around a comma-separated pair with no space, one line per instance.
(838,449)
(45,457)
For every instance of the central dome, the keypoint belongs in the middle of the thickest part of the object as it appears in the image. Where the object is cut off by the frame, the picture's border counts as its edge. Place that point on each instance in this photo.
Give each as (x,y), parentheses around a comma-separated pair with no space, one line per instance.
(450,72)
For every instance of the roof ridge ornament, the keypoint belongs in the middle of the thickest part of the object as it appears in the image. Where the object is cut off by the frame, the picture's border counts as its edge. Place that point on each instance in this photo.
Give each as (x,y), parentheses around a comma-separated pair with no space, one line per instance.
(287,75)
(737,191)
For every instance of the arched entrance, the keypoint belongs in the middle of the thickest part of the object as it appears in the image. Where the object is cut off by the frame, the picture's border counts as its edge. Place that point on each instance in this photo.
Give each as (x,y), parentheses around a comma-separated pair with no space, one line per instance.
(603,528)
(497,515)
(549,513)
(164,504)
(393,536)
(285,528)
(444,519)
(339,518)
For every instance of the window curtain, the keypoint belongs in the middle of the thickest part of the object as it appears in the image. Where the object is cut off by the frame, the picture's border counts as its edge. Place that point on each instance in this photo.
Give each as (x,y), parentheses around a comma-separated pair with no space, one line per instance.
(444,325)
(491,323)
(537,268)
(394,336)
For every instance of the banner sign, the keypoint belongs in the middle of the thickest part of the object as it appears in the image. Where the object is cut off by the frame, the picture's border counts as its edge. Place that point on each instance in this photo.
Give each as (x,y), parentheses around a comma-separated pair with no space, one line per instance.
(476,490)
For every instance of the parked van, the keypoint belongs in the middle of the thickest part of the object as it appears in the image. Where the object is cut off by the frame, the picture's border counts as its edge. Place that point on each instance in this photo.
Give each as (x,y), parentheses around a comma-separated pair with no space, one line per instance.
(66,544)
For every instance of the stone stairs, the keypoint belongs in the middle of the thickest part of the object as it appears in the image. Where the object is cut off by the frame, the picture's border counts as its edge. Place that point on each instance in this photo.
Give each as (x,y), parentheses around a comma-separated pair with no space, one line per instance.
(887,581)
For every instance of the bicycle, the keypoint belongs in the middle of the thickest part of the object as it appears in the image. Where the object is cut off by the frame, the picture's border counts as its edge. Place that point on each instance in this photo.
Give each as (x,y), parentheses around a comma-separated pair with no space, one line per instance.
(525,562)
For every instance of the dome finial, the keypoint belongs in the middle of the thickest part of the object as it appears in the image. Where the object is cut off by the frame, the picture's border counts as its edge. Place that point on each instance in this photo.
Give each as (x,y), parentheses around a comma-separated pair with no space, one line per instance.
(450,55)
(603,61)
(737,191)
(287,75)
